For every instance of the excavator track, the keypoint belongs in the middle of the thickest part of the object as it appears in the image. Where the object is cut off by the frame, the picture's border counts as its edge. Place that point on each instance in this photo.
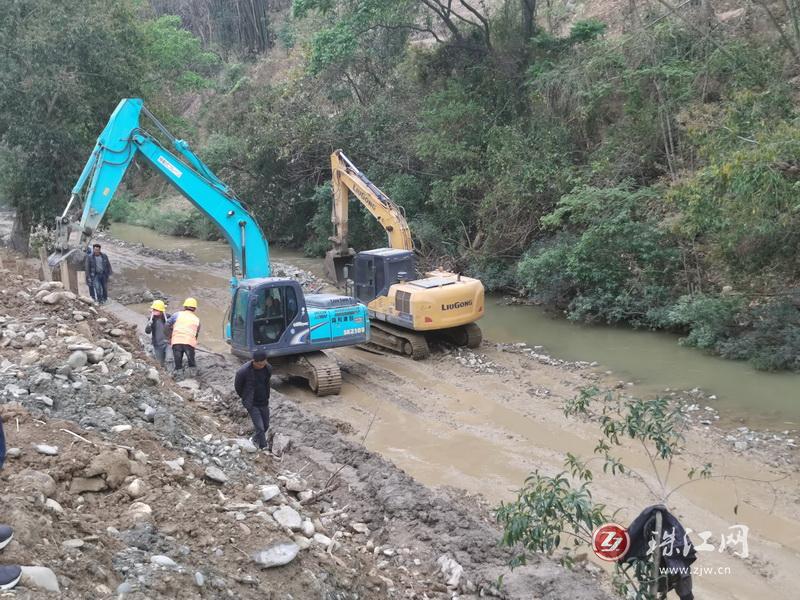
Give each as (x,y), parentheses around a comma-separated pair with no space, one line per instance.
(405,342)
(469,335)
(320,370)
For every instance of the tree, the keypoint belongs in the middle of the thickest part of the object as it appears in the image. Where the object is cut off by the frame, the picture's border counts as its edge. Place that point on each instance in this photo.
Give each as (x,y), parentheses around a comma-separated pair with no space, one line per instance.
(241,26)
(63,68)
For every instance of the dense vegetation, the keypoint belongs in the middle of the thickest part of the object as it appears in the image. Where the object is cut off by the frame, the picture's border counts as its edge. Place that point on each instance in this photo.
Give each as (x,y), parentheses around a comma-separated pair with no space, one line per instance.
(646,174)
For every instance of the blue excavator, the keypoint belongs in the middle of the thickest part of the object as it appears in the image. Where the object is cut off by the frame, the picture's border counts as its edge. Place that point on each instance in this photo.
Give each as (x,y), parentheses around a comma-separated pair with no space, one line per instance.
(267,313)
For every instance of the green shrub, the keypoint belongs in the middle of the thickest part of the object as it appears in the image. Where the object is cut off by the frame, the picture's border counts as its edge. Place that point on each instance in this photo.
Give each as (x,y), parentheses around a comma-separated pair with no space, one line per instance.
(615,265)
(771,341)
(710,320)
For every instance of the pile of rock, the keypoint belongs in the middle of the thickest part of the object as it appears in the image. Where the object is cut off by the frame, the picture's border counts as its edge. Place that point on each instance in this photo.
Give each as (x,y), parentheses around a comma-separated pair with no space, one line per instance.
(479,363)
(537,353)
(139,297)
(306,280)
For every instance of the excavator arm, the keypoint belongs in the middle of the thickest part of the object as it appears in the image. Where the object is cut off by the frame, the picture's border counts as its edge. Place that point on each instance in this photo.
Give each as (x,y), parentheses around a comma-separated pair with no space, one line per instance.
(120,142)
(346,179)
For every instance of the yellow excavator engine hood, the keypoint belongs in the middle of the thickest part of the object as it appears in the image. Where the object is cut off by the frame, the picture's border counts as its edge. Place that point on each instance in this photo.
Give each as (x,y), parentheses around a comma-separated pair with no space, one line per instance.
(438,301)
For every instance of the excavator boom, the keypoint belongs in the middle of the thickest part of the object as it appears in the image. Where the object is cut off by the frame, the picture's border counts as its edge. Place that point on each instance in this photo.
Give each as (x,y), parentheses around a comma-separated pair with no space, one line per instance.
(347,178)
(120,142)
(267,313)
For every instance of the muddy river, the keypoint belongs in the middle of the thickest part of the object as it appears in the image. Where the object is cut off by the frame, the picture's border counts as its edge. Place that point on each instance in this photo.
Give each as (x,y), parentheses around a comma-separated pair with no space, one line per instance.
(653,361)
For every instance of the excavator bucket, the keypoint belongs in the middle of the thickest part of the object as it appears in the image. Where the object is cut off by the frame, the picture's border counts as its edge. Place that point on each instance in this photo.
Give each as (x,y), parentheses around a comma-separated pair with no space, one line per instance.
(335,262)
(73,256)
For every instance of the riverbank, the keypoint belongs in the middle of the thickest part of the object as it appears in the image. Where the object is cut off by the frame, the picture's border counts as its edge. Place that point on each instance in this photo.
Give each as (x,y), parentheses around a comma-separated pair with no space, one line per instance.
(481,421)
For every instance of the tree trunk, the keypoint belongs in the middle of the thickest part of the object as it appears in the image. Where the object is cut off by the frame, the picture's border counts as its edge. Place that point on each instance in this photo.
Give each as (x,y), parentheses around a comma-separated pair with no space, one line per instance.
(528,18)
(21,231)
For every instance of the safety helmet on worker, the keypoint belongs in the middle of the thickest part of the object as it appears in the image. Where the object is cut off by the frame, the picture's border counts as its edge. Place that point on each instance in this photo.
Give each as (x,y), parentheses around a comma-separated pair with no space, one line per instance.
(190,303)
(159,305)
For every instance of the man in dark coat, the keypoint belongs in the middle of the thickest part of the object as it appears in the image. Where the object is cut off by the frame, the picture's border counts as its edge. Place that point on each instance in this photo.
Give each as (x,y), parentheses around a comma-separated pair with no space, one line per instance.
(252,386)
(98,270)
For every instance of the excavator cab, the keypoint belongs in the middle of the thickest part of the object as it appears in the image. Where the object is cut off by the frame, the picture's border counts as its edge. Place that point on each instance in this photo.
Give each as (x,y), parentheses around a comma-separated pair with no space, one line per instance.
(375,271)
(268,314)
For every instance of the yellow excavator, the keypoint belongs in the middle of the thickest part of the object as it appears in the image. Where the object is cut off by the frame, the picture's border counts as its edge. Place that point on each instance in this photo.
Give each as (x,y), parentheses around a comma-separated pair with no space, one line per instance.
(404,309)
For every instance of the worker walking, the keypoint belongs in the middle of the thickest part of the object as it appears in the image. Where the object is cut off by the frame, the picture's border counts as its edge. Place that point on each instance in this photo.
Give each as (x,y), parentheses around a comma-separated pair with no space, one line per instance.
(252,386)
(157,328)
(185,328)
(98,270)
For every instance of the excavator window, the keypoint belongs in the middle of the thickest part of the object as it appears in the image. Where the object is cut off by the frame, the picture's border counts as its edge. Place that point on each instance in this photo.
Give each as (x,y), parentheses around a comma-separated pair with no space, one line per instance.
(275,309)
(239,318)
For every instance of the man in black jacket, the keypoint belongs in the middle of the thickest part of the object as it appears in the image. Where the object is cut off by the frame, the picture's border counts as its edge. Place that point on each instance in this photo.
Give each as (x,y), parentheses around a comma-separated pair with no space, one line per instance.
(98,270)
(252,386)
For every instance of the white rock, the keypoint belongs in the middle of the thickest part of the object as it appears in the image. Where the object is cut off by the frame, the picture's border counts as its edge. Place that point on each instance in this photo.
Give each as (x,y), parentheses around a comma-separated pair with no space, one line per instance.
(277,554)
(136,489)
(322,540)
(45,449)
(74,543)
(215,474)
(246,445)
(116,332)
(140,511)
(39,577)
(307,528)
(199,579)
(305,495)
(153,376)
(268,492)
(121,428)
(176,466)
(77,359)
(13,453)
(53,506)
(163,561)
(288,517)
(451,570)
(296,484)
(360,528)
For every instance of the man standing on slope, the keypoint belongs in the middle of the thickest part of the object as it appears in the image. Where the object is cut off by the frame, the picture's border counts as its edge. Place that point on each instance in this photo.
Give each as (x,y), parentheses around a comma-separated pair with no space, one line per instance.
(252,386)
(98,270)
(9,574)
(185,327)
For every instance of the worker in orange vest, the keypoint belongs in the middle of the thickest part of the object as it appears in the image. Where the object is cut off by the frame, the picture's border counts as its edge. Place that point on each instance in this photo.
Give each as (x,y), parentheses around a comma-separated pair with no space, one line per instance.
(185,327)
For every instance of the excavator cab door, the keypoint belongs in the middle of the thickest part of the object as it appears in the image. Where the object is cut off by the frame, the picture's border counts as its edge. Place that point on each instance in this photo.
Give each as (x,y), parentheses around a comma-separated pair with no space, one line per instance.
(269,315)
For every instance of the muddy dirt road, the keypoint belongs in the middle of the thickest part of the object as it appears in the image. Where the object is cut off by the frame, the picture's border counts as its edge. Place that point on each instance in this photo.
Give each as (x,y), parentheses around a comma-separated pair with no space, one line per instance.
(480,422)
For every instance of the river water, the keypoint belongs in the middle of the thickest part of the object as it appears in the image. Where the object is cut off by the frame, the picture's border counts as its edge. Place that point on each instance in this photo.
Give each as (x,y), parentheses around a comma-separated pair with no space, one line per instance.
(654,361)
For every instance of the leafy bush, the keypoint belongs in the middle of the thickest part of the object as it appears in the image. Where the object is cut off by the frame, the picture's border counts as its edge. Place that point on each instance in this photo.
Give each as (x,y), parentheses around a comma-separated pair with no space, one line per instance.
(710,320)
(772,340)
(615,264)
(584,31)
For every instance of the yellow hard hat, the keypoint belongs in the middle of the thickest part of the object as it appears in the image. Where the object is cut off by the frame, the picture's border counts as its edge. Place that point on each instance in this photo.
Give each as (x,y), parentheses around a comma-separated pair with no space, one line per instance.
(190,303)
(159,305)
